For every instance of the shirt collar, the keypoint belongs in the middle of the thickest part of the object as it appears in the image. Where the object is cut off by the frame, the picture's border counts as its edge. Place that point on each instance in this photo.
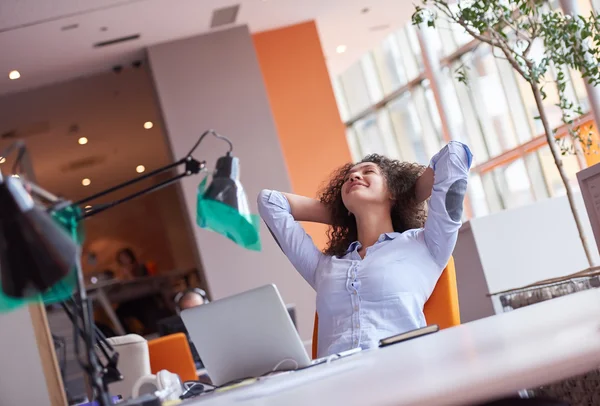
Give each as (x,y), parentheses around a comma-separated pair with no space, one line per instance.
(383,237)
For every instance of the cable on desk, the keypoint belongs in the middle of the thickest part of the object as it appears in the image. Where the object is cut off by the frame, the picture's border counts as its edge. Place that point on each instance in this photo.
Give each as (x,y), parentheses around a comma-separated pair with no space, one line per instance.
(284,361)
(195,388)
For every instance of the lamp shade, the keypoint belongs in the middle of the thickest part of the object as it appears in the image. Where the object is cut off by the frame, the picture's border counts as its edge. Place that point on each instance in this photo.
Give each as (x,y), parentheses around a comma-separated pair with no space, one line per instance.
(35,253)
(223,206)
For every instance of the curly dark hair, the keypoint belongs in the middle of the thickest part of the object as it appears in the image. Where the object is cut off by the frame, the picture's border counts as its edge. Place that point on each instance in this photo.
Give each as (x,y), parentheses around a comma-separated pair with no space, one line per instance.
(406,212)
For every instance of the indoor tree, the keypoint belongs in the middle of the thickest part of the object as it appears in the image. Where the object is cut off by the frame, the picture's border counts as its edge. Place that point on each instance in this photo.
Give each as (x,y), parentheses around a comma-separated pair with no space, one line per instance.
(536,41)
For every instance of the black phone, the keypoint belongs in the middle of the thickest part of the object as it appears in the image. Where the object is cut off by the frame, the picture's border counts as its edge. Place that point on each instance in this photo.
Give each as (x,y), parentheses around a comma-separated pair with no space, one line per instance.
(409,335)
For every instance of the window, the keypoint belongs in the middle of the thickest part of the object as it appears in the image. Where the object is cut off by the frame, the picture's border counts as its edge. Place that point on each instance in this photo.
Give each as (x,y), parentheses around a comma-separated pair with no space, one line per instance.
(522,127)
(492,194)
(375,135)
(550,103)
(412,56)
(416,132)
(390,143)
(355,151)
(536,174)
(368,136)
(553,180)
(494,114)
(513,184)
(477,196)
(490,102)
(578,84)
(429,105)
(371,78)
(443,44)
(464,123)
(408,129)
(388,60)
(450,37)
(355,89)
(585,7)
(341,100)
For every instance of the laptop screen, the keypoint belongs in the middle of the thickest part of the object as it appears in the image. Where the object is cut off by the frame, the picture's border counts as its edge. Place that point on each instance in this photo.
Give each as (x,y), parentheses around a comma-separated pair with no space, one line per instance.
(174,324)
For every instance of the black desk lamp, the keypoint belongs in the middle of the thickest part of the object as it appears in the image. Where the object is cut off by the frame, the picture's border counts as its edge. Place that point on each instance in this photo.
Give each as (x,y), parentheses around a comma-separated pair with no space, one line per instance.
(35,253)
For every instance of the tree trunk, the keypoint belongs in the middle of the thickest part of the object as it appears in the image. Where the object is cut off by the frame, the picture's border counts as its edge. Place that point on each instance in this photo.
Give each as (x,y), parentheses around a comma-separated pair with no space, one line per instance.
(559,165)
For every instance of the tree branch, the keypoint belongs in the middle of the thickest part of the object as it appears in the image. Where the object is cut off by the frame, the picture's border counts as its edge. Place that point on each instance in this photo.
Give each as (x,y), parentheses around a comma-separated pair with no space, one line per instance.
(498,56)
(475,35)
(527,49)
(516,30)
(508,53)
(448,12)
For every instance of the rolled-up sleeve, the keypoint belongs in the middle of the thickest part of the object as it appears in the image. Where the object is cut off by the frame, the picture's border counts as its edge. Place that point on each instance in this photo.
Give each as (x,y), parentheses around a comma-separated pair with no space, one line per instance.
(451,169)
(295,243)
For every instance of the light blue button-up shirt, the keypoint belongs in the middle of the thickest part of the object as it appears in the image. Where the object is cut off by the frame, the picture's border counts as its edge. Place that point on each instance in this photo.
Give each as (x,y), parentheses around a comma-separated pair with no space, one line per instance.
(360,301)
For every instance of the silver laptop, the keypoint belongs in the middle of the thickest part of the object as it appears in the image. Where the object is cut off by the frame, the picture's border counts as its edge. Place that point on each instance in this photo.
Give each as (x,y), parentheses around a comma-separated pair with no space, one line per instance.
(246,335)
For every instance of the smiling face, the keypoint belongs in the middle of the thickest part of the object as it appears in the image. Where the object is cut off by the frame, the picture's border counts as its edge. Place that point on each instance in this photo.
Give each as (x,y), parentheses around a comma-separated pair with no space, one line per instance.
(365,185)
(388,184)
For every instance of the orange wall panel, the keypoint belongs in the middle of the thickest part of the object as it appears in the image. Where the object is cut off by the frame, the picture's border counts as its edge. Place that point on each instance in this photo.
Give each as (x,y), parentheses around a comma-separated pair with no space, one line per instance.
(303,104)
(592,154)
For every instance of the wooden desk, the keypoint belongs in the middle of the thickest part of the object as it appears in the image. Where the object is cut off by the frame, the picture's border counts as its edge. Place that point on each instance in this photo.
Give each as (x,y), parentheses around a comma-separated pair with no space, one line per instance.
(474,362)
(117,291)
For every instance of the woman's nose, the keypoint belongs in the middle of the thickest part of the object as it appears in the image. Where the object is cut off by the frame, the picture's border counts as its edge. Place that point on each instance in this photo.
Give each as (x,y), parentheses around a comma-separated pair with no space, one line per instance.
(354,177)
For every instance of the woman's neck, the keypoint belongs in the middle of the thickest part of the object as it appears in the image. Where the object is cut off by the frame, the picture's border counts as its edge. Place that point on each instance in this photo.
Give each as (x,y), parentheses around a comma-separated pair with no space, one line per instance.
(371,225)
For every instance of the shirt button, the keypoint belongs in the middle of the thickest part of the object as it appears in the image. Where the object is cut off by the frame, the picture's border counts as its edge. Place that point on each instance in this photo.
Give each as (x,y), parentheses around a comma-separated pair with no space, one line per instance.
(356,308)
(358,326)
(355,292)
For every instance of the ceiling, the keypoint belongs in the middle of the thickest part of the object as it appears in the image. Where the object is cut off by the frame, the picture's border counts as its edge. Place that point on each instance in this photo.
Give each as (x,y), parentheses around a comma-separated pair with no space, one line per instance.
(109,110)
(52,40)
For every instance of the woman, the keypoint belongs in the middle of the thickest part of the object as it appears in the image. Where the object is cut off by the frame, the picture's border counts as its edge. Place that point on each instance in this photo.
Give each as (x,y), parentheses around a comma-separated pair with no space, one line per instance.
(145,310)
(384,257)
(129,266)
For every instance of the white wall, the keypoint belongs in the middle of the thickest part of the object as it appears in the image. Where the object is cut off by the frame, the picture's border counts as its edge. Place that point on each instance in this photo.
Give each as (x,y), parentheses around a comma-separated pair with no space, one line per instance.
(22,381)
(214,81)
(531,243)
(517,247)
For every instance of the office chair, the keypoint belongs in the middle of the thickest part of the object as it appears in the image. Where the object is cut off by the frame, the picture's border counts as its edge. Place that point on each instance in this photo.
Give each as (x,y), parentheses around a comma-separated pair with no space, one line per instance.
(441,308)
(172,353)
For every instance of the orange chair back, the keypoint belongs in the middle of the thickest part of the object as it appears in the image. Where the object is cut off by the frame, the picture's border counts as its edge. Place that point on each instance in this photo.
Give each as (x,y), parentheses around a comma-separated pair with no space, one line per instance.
(441,308)
(172,353)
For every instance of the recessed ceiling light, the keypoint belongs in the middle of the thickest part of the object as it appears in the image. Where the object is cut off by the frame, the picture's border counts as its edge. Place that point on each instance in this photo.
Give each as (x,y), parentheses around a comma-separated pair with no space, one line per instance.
(2,159)
(140,168)
(15,176)
(82,141)
(14,74)
(340,49)
(88,207)
(148,125)
(86,182)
